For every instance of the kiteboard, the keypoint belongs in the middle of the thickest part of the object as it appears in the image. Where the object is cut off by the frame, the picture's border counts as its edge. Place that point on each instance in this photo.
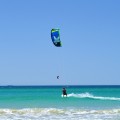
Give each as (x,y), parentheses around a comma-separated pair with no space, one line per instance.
(63,96)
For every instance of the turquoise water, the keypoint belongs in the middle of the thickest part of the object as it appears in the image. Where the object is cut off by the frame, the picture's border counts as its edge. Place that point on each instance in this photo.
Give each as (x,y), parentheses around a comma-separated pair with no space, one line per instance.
(47,103)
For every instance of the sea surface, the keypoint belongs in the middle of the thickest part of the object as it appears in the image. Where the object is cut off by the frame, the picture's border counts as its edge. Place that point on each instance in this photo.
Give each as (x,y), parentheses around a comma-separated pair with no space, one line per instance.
(47,103)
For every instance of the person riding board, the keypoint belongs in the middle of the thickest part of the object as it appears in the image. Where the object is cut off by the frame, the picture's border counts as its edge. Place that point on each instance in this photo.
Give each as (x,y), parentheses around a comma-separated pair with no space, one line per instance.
(64,92)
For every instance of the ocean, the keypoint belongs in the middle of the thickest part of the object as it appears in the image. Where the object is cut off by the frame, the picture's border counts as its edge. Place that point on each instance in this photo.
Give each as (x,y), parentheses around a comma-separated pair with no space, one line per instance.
(47,103)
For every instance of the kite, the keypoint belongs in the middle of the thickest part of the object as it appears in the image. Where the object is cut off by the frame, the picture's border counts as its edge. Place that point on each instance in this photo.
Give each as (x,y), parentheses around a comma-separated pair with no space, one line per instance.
(57,77)
(55,36)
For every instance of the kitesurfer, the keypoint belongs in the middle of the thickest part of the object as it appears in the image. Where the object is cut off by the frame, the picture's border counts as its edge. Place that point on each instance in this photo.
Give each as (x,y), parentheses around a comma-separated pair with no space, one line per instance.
(64,92)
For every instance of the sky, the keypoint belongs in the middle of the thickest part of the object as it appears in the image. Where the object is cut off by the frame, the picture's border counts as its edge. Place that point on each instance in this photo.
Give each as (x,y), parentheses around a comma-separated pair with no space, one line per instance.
(90,36)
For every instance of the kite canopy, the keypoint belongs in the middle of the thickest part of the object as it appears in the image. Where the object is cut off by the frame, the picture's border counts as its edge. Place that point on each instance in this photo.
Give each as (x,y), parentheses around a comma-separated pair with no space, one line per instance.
(55,36)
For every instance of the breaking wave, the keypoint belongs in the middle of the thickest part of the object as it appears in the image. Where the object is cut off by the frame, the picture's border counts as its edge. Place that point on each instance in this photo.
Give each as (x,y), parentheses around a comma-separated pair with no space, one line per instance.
(54,113)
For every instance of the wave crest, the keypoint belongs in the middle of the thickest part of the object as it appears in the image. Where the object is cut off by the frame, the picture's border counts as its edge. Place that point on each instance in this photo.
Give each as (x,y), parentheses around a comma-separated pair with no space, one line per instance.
(54,113)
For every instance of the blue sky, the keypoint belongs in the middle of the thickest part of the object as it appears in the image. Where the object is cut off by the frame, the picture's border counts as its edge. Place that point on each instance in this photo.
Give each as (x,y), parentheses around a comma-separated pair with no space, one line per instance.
(90,35)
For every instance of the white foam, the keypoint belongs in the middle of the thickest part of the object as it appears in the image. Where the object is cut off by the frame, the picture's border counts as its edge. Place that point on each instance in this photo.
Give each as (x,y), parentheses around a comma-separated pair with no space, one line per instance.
(88,95)
(54,113)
